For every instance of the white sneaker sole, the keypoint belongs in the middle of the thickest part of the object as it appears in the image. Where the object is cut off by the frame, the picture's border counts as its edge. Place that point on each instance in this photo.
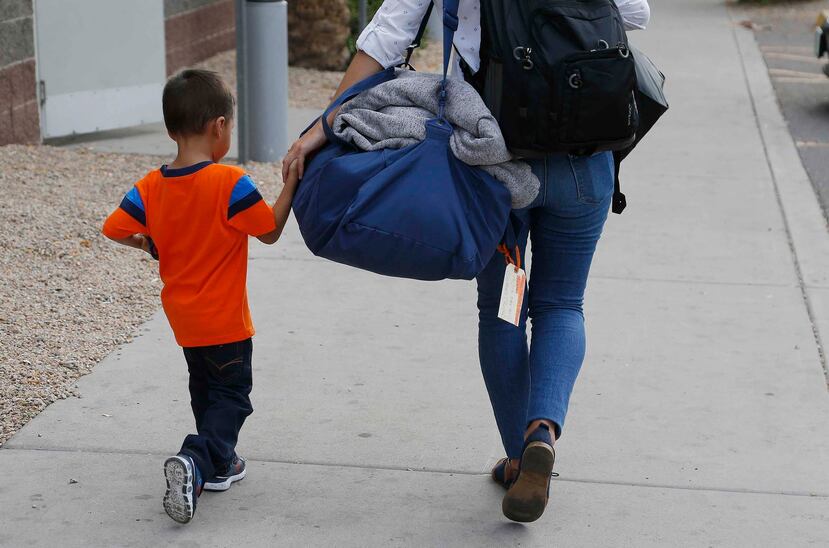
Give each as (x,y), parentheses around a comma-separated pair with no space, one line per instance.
(179,498)
(224,485)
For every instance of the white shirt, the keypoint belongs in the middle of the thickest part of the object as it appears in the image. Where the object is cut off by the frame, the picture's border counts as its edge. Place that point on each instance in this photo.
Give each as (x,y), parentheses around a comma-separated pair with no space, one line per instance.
(395,25)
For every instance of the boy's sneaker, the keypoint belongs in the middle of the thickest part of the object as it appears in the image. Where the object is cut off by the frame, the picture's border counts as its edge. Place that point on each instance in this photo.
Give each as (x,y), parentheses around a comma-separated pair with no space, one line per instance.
(184,486)
(221,482)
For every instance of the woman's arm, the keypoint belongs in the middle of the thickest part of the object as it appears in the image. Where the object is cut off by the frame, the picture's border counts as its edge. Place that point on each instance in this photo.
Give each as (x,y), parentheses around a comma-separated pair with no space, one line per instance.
(392,29)
(380,45)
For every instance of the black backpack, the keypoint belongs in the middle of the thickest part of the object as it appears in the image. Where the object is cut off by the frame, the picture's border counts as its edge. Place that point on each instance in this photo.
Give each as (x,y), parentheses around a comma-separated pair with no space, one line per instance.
(558,75)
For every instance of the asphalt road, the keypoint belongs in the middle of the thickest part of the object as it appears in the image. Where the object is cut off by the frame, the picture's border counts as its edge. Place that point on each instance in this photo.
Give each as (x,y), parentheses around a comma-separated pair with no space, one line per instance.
(785,33)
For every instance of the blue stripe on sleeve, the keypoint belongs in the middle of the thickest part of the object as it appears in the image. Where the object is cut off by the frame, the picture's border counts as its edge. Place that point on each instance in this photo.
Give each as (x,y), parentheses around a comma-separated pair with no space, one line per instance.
(251,199)
(135,197)
(242,188)
(134,206)
(244,195)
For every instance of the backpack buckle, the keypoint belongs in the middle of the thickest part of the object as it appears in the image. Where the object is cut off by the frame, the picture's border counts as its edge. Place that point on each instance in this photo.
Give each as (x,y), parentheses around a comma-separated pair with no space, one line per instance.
(623,50)
(522,54)
(407,63)
(575,80)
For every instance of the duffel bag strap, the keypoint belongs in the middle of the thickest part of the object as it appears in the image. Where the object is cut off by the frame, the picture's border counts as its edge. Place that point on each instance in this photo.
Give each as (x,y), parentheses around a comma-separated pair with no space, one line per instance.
(509,243)
(349,94)
(450,25)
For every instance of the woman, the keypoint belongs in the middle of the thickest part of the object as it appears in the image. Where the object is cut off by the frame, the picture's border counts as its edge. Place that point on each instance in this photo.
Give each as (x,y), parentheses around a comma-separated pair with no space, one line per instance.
(529,387)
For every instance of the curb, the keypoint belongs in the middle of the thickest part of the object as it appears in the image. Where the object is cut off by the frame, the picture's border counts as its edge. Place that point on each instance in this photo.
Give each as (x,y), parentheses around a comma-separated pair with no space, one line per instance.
(805,224)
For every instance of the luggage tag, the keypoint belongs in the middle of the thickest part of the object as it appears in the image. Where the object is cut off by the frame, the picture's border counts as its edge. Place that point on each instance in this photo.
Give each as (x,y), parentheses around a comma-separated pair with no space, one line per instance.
(512,292)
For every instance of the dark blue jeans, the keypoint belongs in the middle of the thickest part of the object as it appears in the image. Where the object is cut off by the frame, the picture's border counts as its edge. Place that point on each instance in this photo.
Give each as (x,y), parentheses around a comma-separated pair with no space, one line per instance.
(564,224)
(220,385)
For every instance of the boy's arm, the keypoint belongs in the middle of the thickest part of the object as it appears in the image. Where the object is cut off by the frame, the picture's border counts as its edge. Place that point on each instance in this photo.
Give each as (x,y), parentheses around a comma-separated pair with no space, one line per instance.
(127,225)
(138,241)
(282,206)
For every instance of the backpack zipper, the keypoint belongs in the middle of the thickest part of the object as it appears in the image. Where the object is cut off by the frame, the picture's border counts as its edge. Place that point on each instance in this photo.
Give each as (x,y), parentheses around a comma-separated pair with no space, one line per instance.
(546,10)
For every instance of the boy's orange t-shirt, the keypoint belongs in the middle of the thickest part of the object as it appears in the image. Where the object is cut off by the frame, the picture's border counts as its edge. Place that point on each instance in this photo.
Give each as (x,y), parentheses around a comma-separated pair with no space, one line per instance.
(199,218)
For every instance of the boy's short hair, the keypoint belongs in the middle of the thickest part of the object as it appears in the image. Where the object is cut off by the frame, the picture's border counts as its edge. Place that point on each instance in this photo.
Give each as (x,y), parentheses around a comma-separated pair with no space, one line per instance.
(194,97)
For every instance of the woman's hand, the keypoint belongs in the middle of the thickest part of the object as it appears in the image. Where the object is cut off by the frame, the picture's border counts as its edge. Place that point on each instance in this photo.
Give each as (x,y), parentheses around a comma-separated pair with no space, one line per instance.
(302,148)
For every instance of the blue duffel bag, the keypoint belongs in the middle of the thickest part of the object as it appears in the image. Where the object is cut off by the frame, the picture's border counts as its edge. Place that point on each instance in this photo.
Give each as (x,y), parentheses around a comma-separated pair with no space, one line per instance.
(415,212)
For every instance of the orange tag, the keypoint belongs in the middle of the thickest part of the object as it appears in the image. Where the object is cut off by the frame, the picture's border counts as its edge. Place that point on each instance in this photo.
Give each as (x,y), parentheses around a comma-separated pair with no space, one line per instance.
(512,295)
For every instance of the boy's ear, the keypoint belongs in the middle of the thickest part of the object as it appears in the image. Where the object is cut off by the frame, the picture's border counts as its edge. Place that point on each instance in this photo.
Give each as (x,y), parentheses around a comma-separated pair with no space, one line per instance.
(220,125)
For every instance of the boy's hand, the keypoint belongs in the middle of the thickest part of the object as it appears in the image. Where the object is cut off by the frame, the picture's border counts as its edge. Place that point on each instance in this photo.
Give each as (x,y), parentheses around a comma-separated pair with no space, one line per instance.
(282,206)
(149,246)
(294,175)
(139,241)
(302,148)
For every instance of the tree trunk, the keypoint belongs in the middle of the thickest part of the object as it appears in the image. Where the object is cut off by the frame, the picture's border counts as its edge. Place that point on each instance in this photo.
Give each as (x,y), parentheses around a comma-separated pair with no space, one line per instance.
(318,33)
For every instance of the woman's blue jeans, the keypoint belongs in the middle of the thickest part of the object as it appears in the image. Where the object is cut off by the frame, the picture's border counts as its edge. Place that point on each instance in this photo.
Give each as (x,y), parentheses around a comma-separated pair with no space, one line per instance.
(564,224)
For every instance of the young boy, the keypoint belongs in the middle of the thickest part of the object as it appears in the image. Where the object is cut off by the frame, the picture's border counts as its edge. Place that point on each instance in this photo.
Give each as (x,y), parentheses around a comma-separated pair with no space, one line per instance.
(194,215)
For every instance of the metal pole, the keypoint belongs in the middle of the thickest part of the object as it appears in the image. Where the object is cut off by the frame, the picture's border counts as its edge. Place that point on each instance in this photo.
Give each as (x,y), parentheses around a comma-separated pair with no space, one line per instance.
(241,78)
(361,14)
(266,78)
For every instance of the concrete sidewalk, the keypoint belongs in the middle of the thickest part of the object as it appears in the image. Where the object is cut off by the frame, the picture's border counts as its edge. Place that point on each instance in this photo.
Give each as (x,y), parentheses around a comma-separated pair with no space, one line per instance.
(701,417)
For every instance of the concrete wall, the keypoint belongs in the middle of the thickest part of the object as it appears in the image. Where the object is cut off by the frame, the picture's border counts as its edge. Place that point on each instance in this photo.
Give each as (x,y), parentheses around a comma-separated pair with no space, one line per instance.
(197,29)
(19,121)
(194,31)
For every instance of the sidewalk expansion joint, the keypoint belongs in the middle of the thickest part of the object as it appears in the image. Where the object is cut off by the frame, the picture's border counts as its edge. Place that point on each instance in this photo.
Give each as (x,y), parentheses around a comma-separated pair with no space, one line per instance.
(777,194)
(703,488)
(692,282)
(443,471)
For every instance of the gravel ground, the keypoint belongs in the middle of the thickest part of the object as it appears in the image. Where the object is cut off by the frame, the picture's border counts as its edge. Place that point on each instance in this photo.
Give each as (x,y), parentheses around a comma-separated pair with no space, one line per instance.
(68,296)
(314,88)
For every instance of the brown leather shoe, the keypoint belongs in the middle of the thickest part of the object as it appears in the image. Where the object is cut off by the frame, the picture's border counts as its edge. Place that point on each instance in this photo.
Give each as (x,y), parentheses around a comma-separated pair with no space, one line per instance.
(527,498)
(502,473)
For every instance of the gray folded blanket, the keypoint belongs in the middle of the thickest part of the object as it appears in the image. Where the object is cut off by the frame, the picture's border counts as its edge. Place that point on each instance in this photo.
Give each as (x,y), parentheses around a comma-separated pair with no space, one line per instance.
(392,115)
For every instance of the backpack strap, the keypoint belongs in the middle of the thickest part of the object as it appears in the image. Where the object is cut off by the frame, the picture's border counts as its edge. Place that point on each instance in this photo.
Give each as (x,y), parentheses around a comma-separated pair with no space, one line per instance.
(349,94)
(419,37)
(619,200)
